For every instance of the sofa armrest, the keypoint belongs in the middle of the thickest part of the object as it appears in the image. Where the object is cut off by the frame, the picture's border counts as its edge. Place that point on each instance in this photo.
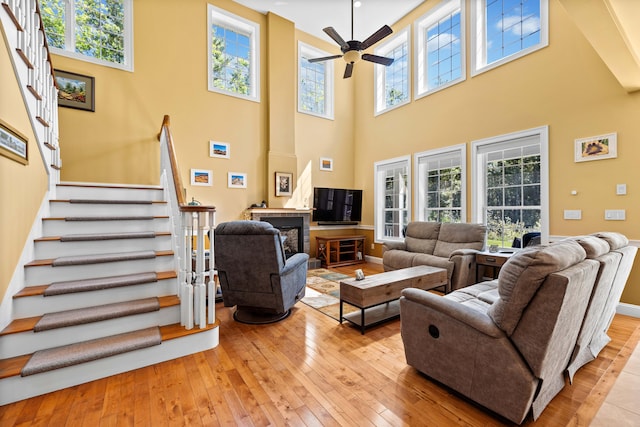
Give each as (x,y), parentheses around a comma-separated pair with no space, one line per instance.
(473,318)
(387,246)
(464,252)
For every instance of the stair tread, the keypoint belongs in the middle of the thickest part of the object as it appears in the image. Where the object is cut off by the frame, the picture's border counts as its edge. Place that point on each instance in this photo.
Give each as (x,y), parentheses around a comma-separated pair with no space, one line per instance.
(97,257)
(13,366)
(40,289)
(58,238)
(28,323)
(109,185)
(104,218)
(110,201)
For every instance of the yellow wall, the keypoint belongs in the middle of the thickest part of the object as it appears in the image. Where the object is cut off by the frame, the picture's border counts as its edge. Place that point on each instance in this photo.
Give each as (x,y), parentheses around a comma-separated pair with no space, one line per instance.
(22,187)
(565,86)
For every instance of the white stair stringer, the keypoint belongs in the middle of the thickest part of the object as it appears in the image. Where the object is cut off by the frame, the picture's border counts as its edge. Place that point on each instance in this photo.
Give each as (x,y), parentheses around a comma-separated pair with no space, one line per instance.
(15,388)
(39,273)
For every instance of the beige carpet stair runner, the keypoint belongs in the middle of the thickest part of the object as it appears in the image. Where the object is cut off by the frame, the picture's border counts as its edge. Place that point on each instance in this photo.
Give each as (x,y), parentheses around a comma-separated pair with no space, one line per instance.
(99,313)
(72,286)
(74,354)
(108,236)
(102,258)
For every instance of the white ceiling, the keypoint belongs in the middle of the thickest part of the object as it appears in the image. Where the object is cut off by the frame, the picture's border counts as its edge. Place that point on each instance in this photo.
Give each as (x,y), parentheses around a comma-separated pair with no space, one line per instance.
(311,16)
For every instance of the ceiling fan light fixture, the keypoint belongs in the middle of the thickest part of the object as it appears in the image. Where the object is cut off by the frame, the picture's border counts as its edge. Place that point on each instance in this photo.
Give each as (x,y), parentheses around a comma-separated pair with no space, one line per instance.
(352,56)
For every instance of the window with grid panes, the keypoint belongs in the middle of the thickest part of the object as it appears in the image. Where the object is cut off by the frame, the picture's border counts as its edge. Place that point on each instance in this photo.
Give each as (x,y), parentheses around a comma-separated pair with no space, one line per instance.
(392,198)
(392,82)
(315,82)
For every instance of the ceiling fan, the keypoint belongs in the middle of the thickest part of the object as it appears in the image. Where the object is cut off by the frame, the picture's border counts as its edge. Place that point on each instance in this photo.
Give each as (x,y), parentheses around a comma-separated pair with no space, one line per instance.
(352,49)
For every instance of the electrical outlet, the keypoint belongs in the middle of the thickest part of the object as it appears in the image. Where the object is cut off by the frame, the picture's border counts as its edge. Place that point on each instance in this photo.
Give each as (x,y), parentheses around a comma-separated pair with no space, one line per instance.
(373,246)
(621,189)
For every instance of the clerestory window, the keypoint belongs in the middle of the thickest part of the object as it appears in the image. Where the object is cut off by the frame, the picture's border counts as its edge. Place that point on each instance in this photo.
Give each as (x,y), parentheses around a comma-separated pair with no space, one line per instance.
(98,31)
(234,46)
(504,30)
(392,82)
(315,82)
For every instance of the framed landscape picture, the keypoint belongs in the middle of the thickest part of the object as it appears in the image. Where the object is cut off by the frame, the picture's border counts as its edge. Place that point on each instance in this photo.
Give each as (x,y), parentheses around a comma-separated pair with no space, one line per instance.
(284,184)
(75,90)
(201,177)
(326,164)
(596,147)
(219,149)
(237,180)
(13,144)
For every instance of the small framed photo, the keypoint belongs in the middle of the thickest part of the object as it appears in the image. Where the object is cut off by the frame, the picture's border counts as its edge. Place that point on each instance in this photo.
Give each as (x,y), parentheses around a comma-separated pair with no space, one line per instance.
(13,144)
(236,180)
(75,90)
(219,149)
(201,177)
(596,147)
(326,164)
(284,184)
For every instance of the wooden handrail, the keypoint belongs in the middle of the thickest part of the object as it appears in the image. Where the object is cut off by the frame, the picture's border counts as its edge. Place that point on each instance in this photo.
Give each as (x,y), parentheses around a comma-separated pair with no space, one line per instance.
(177,180)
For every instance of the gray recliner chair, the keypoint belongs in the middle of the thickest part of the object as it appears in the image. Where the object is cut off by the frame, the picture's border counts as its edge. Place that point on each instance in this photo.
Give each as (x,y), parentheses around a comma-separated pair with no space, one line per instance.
(254,273)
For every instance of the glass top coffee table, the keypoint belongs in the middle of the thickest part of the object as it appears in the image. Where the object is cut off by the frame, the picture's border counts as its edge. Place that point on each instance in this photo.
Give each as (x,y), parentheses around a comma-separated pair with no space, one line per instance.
(377,295)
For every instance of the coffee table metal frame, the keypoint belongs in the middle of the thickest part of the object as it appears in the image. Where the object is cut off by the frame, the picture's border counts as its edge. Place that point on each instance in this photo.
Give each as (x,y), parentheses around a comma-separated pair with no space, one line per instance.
(386,287)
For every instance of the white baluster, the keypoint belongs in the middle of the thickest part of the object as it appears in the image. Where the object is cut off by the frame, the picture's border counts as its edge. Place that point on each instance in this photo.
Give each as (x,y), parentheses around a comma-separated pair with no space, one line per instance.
(211,291)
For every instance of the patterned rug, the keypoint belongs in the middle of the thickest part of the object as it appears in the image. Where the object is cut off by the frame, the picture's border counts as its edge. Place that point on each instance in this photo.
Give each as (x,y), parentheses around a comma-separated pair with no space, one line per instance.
(323,292)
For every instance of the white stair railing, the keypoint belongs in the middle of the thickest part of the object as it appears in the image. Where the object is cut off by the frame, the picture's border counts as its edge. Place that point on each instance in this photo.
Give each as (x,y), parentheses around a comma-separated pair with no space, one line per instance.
(26,39)
(197,300)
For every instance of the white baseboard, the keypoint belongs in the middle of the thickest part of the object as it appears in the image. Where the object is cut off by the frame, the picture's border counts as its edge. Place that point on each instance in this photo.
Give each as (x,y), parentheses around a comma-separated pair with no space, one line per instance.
(628,309)
(373,259)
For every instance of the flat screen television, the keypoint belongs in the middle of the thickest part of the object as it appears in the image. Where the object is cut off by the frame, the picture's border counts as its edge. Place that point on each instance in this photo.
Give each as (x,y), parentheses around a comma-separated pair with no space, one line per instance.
(336,205)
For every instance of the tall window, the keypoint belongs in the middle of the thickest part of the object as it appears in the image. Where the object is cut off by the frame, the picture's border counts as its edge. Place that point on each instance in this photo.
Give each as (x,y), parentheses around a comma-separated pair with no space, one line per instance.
(440,47)
(506,30)
(315,82)
(440,184)
(233,55)
(392,198)
(512,185)
(98,31)
(392,82)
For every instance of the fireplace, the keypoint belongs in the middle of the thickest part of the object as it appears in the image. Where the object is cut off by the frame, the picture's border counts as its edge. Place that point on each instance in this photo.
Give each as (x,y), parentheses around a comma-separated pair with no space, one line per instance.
(292,223)
(291,230)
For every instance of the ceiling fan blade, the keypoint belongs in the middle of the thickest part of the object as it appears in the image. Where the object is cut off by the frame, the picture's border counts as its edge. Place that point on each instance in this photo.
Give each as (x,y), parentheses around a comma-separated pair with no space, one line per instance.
(336,37)
(348,70)
(324,58)
(377,59)
(376,37)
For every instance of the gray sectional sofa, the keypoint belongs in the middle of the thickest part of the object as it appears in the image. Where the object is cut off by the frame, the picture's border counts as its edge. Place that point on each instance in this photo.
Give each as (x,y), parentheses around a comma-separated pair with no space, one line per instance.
(452,246)
(507,343)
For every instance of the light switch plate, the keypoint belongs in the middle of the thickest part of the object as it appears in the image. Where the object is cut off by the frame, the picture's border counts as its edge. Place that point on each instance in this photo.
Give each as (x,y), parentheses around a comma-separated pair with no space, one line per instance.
(572,214)
(621,189)
(614,214)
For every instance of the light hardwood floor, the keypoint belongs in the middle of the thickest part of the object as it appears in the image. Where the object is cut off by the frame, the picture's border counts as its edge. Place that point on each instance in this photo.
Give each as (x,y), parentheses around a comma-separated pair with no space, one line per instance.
(306,370)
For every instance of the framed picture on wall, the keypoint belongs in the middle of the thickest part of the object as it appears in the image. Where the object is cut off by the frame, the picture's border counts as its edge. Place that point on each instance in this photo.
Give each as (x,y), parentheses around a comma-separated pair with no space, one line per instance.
(596,147)
(219,149)
(326,164)
(236,180)
(284,184)
(75,90)
(13,144)
(201,177)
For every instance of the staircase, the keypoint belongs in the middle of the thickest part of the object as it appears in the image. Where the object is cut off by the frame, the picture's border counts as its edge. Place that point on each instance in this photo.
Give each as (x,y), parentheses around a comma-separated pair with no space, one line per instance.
(100,295)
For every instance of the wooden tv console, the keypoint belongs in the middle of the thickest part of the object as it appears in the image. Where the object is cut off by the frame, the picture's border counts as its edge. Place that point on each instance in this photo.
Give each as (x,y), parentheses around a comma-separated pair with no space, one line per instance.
(340,250)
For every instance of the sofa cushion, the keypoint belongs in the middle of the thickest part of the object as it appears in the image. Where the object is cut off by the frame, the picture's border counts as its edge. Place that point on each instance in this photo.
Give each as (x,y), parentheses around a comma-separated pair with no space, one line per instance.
(593,246)
(421,237)
(522,275)
(434,261)
(455,236)
(615,240)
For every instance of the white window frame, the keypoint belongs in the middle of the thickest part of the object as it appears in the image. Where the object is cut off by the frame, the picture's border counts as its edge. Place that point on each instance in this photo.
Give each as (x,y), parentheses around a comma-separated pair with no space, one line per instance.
(379,196)
(478,40)
(380,73)
(478,182)
(70,39)
(305,50)
(219,16)
(421,25)
(419,158)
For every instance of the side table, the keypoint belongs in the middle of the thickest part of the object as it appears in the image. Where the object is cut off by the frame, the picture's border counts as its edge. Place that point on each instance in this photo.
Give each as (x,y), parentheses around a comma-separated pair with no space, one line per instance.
(488,264)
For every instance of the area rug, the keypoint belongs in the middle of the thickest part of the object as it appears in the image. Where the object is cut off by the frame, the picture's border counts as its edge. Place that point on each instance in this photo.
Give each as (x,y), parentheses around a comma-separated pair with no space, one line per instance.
(323,292)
